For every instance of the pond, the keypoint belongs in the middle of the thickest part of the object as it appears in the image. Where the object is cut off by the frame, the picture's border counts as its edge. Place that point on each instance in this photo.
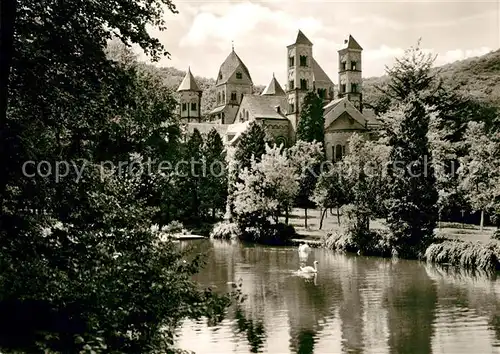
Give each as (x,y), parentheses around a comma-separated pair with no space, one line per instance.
(353,305)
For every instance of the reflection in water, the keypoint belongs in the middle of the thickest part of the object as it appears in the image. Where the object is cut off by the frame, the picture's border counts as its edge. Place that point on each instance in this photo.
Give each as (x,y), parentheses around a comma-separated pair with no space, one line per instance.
(352,305)
(411,300)
(254,330)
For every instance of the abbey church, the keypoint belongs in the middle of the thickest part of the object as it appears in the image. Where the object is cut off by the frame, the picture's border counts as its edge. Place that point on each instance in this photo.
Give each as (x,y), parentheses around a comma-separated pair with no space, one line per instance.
(277,109)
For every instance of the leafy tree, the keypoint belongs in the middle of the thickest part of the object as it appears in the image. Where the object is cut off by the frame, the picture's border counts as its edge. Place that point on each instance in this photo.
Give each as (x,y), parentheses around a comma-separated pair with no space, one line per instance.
(90,268)
(267,187)
(412,184)
(215,187)
(363,171)
(411,74)
(252,143)
(480,169)
(311,126)
(331,191)
(193,177)
(306,157)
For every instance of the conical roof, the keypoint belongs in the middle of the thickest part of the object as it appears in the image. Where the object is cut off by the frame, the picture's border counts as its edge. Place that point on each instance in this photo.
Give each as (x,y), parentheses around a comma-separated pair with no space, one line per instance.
(189,83)
(302,39)
(352,44)
(273,89)
(229,66)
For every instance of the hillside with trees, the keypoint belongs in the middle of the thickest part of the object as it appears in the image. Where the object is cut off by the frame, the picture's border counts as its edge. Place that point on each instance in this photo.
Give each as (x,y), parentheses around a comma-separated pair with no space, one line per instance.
(477,77)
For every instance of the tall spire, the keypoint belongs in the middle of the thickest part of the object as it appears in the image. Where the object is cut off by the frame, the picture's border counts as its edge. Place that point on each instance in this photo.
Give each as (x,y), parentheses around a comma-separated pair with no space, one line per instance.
(232,46)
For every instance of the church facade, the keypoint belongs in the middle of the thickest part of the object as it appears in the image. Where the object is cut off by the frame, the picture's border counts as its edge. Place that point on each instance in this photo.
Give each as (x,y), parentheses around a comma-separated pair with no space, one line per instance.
(277,109)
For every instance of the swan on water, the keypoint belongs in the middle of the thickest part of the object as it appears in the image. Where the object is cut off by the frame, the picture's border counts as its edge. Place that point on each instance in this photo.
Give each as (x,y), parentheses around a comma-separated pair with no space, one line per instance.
(304,249)
(309,269)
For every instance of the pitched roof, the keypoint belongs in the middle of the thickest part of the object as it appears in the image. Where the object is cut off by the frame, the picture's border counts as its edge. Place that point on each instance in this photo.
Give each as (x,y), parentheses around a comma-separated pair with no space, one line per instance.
(334,110)
(273,89)
(265,106)
(189,83)
(319,73)
(352,44)
(302,39)
(371,118)
(229,66)
(205,128)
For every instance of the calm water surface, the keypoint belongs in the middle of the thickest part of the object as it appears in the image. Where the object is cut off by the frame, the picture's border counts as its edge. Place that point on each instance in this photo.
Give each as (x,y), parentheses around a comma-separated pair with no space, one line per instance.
(353,305)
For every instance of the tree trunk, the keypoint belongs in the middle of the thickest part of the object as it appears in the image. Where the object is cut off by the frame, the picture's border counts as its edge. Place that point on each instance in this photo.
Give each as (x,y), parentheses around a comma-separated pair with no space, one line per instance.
(305,218)
(286,215)
(482,220)
(322,217)
(213,213)
(338,215)
(8,12)
(331,211)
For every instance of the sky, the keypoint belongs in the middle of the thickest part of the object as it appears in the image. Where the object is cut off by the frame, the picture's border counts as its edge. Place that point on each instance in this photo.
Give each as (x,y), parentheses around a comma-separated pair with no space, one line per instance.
(200,35)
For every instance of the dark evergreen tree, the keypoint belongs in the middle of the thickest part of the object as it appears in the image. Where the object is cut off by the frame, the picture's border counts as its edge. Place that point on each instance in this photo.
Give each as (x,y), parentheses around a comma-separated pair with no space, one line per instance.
(412,195)
(192,177)
(251,143)
(215,184)
(311,126)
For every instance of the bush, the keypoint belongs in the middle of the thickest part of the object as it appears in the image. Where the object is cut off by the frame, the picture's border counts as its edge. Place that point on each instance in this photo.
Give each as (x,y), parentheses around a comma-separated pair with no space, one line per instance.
(496,235)
(465,254)
(340,241)
(380,242)
(226,231)
(174,227)
(269,234)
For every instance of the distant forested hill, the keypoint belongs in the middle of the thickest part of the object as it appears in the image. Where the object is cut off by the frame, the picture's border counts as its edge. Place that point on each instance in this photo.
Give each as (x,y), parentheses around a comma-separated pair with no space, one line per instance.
(478,77)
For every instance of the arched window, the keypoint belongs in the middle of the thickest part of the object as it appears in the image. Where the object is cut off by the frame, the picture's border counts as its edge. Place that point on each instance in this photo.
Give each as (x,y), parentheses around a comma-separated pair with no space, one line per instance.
(338,152)
(219,98)
(281,140)
(223,96)
(247,115)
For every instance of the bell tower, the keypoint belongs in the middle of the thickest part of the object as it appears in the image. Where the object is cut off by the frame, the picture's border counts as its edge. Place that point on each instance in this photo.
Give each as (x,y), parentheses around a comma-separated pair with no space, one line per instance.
(189,94)
(300,76)
(350,79)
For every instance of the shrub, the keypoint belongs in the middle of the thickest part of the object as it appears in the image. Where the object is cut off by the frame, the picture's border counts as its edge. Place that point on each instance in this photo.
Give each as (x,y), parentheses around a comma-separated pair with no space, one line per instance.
(380,242)
(496,235)
(269,234)
(173,228)
(226,231)
(340,241)
(465,254)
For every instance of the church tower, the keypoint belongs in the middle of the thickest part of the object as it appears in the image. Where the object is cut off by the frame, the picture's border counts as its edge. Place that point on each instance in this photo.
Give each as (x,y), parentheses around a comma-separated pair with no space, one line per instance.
(350,66)
(233,82)
(300,76)
(189,99)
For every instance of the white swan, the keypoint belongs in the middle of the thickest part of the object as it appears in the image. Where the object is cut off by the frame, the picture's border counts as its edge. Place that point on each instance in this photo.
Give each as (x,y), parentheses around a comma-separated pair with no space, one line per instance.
(304,249)
(309,269)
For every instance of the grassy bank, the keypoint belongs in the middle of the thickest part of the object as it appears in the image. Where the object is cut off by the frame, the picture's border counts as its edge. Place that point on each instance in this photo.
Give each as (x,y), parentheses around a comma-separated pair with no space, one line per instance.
(460,245)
